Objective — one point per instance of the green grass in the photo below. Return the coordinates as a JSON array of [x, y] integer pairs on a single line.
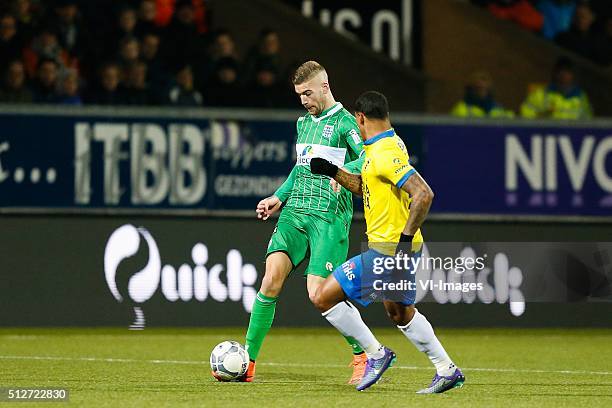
[[308, 367]]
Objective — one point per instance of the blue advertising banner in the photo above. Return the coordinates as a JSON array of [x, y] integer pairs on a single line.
[[92, 162], [173, 160], [520, 170]]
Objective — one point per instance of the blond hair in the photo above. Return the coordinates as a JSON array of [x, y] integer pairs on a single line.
[[307, 71]]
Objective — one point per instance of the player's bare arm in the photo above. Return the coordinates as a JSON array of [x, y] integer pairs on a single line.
[[422, 197], [352, 182]]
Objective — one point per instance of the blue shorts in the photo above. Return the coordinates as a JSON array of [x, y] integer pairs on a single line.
[[363, 279]]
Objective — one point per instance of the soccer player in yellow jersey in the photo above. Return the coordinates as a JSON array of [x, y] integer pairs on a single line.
[[396, 201]]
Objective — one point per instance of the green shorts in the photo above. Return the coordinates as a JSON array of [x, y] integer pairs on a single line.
[[296, 233]]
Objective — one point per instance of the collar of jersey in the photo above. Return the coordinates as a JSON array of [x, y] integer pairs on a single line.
[[386, 133], [327, 113]]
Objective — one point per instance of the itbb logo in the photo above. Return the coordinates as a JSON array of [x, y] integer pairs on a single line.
[[186, 283]]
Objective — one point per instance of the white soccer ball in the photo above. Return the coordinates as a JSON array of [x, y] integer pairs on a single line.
[[229, 360]]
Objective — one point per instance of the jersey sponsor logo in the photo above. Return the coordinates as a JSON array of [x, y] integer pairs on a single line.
[[329, 266], [355, 136], [305, 152], [328, 131], [305, 156], [401, 169], [397, 160], [348, 268], [401, 145]]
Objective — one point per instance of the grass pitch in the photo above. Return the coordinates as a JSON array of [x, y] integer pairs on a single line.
[[308, 367]]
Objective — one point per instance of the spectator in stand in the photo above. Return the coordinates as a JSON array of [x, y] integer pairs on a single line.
[[109, 90], [46, 46], [125, 28], [479, 101], [166, 9], [10, 43], [71, 31], [223, 46], [580, 38], [521, 12], [27, 19], [129, 52], [182, 40], [164, 12], [561, 99], [69, 90], [184, 93], [224, 90], [558, 16], [157, 77], [146, 18], [266, 89], [200, 15], [127, 21], [137, 90], [45, 85], [265, 53], [14, 89]]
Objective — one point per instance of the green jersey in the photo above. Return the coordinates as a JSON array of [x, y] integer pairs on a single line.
[[332, 135]]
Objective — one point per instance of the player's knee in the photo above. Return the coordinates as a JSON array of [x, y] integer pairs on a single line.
[[272, 284], [399, 314], [312, 296], [312, 291], [320, 301], [394, 315]]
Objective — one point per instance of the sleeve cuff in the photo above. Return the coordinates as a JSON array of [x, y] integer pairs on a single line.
[[405, 177]]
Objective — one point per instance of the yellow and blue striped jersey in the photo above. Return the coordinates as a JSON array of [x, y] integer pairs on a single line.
[[385, 170]]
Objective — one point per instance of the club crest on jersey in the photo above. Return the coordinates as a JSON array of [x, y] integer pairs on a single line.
[[355, 136], [328, 131]]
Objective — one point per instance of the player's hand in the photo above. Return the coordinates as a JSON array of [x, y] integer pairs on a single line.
[[267, 207], [404, 247], [323, 167]]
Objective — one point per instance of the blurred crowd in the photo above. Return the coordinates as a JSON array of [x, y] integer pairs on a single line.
[[560, 98], [133, 52], [581, 26], [162, 52]]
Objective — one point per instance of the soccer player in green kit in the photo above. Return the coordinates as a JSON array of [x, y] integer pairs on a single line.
[[317, 212]]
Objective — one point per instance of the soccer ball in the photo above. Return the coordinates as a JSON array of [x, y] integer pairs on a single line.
[[229, 360]]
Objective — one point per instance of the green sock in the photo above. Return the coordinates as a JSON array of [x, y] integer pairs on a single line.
[[262, 316], [354, 345]]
